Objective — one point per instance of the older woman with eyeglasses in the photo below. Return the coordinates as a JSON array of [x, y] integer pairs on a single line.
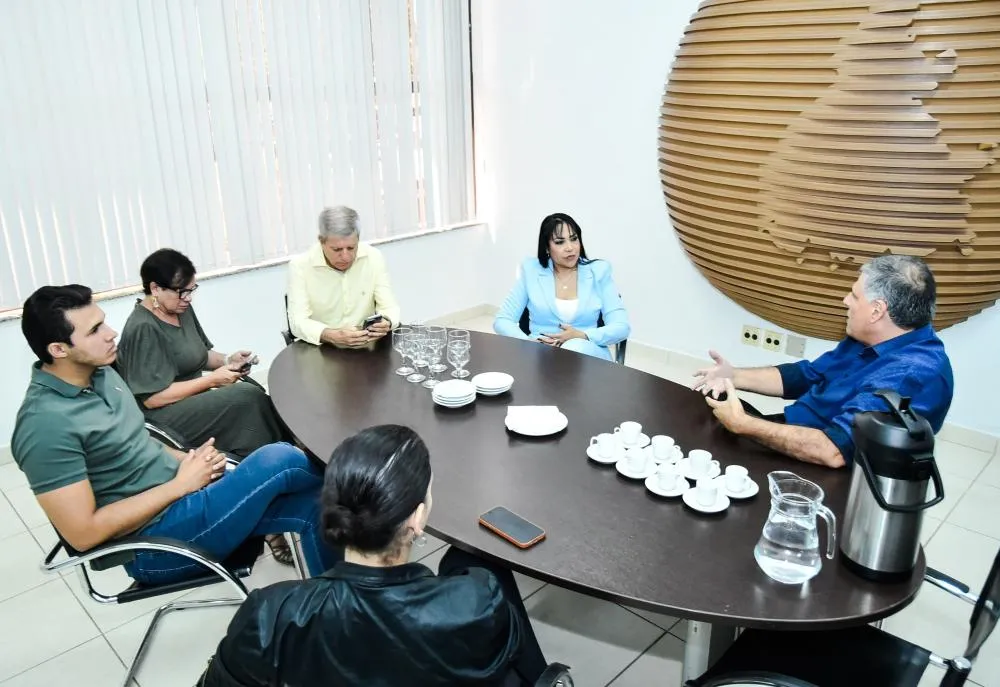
[[163, 353]]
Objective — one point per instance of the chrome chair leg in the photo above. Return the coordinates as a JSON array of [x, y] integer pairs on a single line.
[[162, 611], [298, 558]]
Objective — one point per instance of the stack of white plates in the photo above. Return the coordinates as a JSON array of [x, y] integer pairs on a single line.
[[454, 393], [493, 383]]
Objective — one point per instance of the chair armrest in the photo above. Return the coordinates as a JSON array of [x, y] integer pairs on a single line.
[[251, 380], [165, 436], [950, 585], [127, 545], [555, 675]]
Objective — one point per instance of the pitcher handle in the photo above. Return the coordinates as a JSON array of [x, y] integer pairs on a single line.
[[831, 529]]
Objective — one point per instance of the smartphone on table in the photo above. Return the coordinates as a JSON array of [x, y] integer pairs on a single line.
[[369, 321], [512, 527]]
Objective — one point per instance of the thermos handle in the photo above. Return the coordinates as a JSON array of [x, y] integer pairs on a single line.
[[900, 407], [862, 460]]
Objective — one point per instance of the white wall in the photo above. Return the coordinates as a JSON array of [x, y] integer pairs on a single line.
[[432, 275], [567, 109]]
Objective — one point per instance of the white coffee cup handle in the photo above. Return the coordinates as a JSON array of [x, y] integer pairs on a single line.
[[712, 463], [617, 429], [593, 440]]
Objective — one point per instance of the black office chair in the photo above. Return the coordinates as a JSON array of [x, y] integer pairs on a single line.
[[286, 334], [855, 656], [619, 352], [119, 551]]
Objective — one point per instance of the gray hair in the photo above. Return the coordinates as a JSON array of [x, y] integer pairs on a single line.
[[907, 286], [340, 221]]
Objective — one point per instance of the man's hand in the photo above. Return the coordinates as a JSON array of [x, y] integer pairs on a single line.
[[200, 467], [224, 376], [712, 380], [379, 329], [349, 338], [559, 338], [730, 412]]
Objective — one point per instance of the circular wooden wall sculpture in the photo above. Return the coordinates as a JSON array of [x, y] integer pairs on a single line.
[[800, 138]]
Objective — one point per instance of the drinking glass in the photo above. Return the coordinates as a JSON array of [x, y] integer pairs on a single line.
[[458, 355], [432, 351], [399, 345], [458, 335], [439, 334], [416, 348]]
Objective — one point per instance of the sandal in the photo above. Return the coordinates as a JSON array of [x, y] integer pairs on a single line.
[[280, 549]]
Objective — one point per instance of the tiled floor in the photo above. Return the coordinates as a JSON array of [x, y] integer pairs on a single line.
[[49, 631]]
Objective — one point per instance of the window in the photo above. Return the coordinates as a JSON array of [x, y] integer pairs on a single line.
[[221, 128]]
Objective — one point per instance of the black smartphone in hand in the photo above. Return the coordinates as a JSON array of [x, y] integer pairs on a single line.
[[369, 321]]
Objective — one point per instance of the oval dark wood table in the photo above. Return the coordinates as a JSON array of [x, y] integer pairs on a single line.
[[607, 536]]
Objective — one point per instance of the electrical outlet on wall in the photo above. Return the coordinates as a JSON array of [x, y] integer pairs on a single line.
[[796, 346], [751, 335], [772, 341]]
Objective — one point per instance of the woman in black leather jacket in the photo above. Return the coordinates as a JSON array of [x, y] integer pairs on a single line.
[[375, 619]]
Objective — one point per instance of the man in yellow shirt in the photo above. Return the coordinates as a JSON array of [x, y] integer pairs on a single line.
[[338, 283]]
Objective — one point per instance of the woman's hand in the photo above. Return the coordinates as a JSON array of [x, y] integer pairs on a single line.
[[241, 358], [558, 339], [224, 376]]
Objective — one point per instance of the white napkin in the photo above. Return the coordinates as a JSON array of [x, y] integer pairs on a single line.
[[532, 415]]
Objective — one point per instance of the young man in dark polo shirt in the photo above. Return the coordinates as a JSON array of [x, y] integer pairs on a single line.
[[81, 441], [890, 344]]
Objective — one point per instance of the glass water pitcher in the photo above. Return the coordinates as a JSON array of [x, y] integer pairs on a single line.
[[788, 549]]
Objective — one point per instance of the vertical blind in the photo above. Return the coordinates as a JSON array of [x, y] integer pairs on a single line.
[[221, 128]]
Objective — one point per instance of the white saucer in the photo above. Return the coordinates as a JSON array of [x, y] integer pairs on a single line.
[[622, 467], [535, 430], [454, 404], [675, 456], [642, 443], [751, 489], [680, 488], [595, 456], [691, 499], [490, 383], [684, 466]]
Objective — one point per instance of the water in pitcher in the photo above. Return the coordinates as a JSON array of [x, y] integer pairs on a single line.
[[788, 549]]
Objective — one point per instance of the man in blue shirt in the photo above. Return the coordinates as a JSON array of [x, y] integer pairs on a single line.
[[890, 344]]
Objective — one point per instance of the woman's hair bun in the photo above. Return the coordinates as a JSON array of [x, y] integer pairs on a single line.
[[339, 523]]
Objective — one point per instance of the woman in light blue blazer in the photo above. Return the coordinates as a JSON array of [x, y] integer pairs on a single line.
[[565, 293]]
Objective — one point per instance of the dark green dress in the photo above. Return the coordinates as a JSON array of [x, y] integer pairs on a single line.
[[153, 354]]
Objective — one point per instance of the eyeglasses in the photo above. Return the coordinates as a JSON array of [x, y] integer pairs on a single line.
[[184, 294]]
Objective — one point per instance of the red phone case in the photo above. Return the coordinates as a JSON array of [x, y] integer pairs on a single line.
[[500, 533]]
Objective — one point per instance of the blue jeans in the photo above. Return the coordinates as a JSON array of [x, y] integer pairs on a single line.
[[275, 489]]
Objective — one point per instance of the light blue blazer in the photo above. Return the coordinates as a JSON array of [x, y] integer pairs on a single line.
[[596, 293]]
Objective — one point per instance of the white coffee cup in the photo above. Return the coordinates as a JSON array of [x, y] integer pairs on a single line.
[[707, 491], [635, 459], [737, 479], [701, 462], [666, 477], [663, 447], [630, 432], [605, 444]]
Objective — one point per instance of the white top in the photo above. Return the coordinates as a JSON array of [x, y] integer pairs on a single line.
[[566, 309]]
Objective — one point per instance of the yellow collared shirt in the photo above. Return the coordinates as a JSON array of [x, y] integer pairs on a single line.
[[320, 297]]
